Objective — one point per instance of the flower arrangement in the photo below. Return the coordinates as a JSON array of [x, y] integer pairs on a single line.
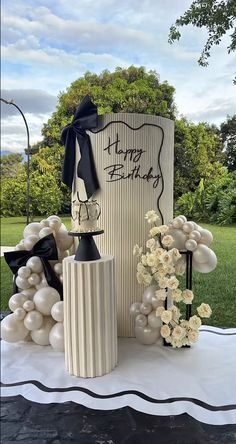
[[160, 265]]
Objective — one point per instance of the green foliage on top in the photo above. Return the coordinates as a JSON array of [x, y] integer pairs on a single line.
[[10, 165]]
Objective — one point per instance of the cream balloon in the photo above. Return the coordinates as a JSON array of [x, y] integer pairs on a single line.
[[208, 266], [24, 272], [35, 264], [34, 279], [22, 283], [17, 300], [135, 309], [30, 241], [153, 320], [33, 320], [41, 335], [195, 235], [19, 314], [145, 308], [206, 237], [141, 320], [57, 311], [58, 268], [56, 337], [45, 298], [62, 254], [147, 335], [201, 254], [54, 224], [188, 227], [63, 240], [45, 232], [61, 278], [13, 330], [149, 292], [177, 222], [184, 218], [28, 305], [191, 245], [54, 216], [19, 247], [32, 228], [30, 292], [44, 223], [179, 239]]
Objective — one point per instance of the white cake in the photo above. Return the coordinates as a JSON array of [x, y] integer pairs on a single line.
[[85, 216]]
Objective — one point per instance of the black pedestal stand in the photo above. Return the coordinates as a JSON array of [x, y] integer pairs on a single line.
[[87, 249]]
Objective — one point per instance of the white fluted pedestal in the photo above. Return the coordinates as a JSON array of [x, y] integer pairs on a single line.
[[90, 324]]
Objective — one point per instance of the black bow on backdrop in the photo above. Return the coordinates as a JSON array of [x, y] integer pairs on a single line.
[[85, 118], [46, 250]]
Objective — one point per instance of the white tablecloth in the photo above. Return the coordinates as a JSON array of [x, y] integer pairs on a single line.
[[157, 380]]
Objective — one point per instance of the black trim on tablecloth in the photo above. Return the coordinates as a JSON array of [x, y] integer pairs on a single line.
[[218, 332], [43, 388]]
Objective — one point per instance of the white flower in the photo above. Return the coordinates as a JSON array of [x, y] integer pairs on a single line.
[[151, 216], [195, 322], [137, 251], [187, 296], [154, 231], [141, 268], [172, 283], [161, 271], [151, 260], [178, 332], [158, 252], [162, 282], [166, 316], [165, 331], [161, 295], [144, 278], [193, 336], [167, 240], [168, 339], [169, 269], [176, 295], [163, 229], [180, 267], [176, 343], [144, 259], [165, 258], [151, 243], [159, 311], [175, 313], [175, 254], [204, 310]]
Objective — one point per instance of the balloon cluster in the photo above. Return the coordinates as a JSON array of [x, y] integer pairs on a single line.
[[188, 235], [147, 324], [37, 309]]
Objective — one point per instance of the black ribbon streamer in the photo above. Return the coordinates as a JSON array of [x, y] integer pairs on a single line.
[[85, 118], [46, 250]]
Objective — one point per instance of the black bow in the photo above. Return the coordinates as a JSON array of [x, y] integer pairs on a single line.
[[85, 118], [46, 250]]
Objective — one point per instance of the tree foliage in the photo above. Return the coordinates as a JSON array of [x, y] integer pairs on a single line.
[[228, 134], [216, 16], [10, 165]]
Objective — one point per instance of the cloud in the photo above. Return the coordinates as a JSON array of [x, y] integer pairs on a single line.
[[29, 100]]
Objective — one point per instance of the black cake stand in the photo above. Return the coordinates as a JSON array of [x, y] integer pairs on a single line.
[[87, 249]]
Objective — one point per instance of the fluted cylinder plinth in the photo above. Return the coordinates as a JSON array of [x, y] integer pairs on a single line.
[[90, 323]]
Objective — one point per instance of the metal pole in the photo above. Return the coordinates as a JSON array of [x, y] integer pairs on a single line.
[[28, 158]]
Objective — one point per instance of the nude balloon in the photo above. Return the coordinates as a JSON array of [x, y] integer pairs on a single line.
[[54, 216], [41, 335], [208, 266], [30, 241], [13, 330], [63, 240], [57, 311], [179, 239], [35, 264], [153, 320], [32, 228], [191, 245], [206, 237], [33, 320], [201, 254], [30, 292], [56, 337], [19, 314], [16, 301], [58, 268], [24, 272], [135, 309], [147, 335], [34, 279], [45, 298], [22, 283], [45, 232]]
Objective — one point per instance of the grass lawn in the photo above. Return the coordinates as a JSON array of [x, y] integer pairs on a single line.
[[217, 288]]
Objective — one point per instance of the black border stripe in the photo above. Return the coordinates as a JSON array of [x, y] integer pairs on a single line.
[[43, 388], [159, 154], [217, 332]]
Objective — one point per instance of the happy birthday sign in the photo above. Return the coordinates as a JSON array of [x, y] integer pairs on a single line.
[[133, 154]]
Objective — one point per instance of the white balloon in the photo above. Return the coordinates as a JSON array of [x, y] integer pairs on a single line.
[[135, 309], [30, 292], [63, 240], [62, 254], [201, 254], [45, 298], [24, 272], [145, 308], [191, 245], [19, 314], [149, 292], [41, 335], [188, 227], [153, 320], [206, 237], [22, 283], [179, 239], [58, 268], [19, 247], [13, 330], [32, 228], [57, 311], [184, 219], [208, 266], [33, 320], [56, 337], [177, 222], [34, 279], [61, 278], [54, 217], [35, 264], [195, 235], [16, 300], [30, 241], [55, 224], [44, 223], [28, 305], [141, 320], [147, 335], [43, 282], [45, 232]]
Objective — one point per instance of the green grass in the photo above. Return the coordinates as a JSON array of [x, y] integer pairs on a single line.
[[217, 288]]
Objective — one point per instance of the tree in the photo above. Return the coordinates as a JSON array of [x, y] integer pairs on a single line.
[[10, 165], [228, 134], [217, 16]]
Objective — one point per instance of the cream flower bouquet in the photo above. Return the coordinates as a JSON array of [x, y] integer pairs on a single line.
[[160, 265]]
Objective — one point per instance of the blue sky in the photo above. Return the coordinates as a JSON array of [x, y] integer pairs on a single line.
[[46, 45]]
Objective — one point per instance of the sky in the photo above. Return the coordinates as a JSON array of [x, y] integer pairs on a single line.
[[48, 44]]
